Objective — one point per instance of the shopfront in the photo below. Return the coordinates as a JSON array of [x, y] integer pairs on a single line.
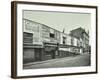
[[32, 53], [50, 51]]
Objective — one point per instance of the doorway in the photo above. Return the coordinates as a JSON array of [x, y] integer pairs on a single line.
[[38, 54]]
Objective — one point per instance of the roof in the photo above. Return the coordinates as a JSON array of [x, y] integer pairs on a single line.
[[81, 30]]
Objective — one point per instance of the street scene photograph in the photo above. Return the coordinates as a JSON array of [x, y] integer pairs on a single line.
[[54, 39]]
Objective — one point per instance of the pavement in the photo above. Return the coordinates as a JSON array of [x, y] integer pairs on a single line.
[[72, 61]]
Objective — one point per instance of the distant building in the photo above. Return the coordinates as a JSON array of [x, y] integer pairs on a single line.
[[69, 43], [83, 36]]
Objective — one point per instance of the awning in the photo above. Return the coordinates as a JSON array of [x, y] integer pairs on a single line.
[[48, 48], [32, 46]]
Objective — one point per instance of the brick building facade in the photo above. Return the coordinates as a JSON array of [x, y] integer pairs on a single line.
[[83, 36]]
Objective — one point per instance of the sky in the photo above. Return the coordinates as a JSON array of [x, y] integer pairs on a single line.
[[60, 20]]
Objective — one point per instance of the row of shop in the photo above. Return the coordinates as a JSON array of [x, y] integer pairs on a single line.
[[48, 51]]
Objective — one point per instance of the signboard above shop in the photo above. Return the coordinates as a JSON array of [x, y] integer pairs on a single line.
[[31, 26]]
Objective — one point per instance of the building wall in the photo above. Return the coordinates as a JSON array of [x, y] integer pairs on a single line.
[[82, 36], [72, 44], [49, 35], [31, 36], [68, 40], [45, 33], [77, 33], [75, 42], [50, 40], [29, 55], [34, 28], [41, 33]]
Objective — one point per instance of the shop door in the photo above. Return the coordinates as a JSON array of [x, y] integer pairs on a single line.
[[38, 54], [53, 54]]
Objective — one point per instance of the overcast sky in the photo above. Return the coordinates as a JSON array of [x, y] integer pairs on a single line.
[[60, 20]]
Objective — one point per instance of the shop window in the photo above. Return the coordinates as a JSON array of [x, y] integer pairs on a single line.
[[77, 43], [80, 44], [27, 37], [52, 35], [64, 39]]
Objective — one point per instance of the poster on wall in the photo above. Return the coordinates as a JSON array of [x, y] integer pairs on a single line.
[[51, 39]]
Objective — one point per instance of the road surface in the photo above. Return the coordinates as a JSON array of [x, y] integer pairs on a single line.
[[74, 61]]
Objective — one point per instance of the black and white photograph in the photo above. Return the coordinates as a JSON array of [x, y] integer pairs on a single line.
[[56, 39], [53, 39]]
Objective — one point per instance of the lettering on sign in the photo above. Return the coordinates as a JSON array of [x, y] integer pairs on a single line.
[[31, 26]]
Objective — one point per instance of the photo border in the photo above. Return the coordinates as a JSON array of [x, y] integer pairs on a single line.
[[14, 37]]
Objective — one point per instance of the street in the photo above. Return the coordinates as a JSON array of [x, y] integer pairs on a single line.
[[73, 61]]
